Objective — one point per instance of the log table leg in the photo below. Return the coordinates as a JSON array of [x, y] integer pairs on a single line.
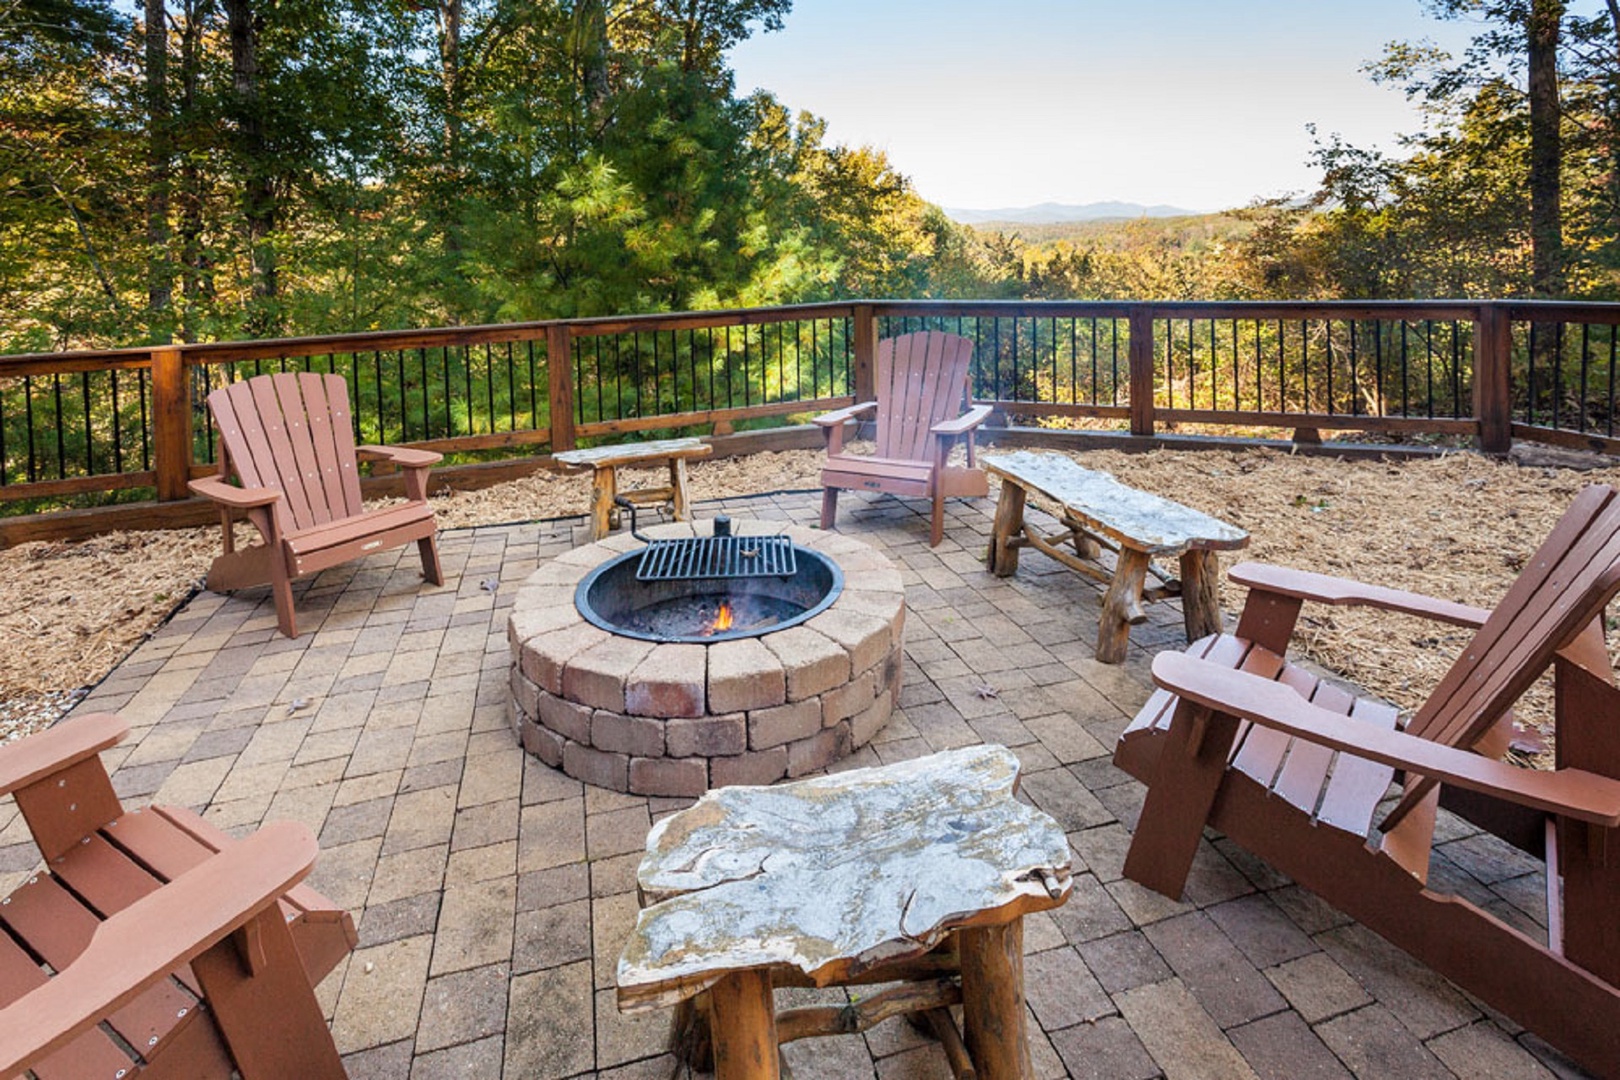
[[1002, 557], [1122, 605], [677, 487], [743, 1027], [604, 485], [993, 1000], [1200, 593]]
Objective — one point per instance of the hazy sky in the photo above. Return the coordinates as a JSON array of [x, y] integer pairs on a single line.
[[1200, 104]]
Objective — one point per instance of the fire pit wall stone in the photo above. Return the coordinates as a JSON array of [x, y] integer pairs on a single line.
[[676, 719]]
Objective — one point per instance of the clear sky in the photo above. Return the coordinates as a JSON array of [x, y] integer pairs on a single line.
[[1201, 104]]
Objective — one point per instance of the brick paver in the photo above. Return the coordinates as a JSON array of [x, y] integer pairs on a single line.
[[492, 893]]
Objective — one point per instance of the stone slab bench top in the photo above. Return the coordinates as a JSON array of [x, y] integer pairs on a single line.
[[838, 874], [629, 453], [1137, 519]]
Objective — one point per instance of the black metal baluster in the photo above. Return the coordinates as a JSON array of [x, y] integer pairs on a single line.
[[1586, 359], [28, 421], [1237, 365], [89, 430], [1170, 363], [1558, 374], [1378, 366], [1282, 371], [1609, 423], [1456, 371]]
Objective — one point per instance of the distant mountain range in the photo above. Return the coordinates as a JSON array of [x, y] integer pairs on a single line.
[[1055, 213]]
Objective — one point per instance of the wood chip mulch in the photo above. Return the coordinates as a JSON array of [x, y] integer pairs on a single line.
[[1458, 527]]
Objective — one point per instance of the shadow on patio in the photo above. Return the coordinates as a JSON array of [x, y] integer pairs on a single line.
[[492, 894]]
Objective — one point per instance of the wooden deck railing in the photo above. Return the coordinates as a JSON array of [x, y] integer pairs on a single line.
[[82, 423]]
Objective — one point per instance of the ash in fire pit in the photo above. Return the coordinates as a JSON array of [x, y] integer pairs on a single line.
[[702, 618]]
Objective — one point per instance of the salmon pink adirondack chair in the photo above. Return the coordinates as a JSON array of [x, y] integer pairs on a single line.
[[286, 439], [1294, 769], [151, 943], [922, 408]]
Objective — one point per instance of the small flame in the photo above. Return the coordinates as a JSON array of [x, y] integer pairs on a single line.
[[722, 618]]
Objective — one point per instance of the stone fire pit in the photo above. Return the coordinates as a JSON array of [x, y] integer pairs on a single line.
[[662, 718]]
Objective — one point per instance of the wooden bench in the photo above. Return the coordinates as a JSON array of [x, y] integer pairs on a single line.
[[1096, 511], [604, 483], [918, 873]]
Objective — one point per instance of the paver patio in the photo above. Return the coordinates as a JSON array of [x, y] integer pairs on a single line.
[[492, 893]]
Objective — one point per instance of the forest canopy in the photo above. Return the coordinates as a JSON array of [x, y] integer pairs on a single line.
[[213, 169]]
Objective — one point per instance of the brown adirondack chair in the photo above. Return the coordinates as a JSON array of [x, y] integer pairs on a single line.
[[1293, 769], [197, 953], [286, 439], [922, 409]]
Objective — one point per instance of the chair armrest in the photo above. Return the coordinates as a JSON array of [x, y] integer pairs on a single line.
[[29, 760], [1344, 592], [1573, 793], [964, 423], [140, 945], [839, 416], [404, 456], [218, 490]]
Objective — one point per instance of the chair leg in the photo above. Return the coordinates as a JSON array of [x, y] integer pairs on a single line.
[[829, 506], [936, 528], [264, 1004], [428, 547], [281, 592], [1191, 766]]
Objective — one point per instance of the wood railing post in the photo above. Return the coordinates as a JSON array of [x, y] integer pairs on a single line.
[[171, 424], [1493, 380], [865, 330], [1141, 365], [560, 372]]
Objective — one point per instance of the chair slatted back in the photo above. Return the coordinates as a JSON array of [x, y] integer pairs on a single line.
[[922, 380], [1564, 586], [291, 432]]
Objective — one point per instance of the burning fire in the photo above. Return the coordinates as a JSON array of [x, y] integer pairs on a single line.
[[722, 618]]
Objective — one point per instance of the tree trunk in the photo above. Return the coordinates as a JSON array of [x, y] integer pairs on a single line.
[[258, 192], [1612, 119], [160, 148], [450, 13], [1546, 220], [196, 274]]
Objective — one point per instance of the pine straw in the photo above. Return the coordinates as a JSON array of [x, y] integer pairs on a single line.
[[1458, 527]]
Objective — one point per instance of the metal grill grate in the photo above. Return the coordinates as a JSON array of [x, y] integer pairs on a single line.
[[717, 557]]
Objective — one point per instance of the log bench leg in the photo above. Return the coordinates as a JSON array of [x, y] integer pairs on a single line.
[[993, 1000], [744, 1027], [1200, 593], [1122, 605], [1001, 559], [604, 485], [677, 486]]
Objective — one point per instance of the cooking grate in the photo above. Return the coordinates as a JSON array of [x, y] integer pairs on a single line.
[[717, 557]]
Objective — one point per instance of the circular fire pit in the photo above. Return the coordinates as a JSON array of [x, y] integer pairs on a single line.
[[805, 675]]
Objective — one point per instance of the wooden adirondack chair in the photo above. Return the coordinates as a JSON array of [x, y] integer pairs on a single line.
[[199, 953], [1293, 769], [922, 409], [286, 439]]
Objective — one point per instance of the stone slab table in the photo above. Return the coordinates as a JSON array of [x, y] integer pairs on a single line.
[[918, 873]]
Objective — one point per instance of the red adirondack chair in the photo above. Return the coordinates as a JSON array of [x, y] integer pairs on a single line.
[[287, 441], [199, 953], [1293, 769], [922, 408]]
